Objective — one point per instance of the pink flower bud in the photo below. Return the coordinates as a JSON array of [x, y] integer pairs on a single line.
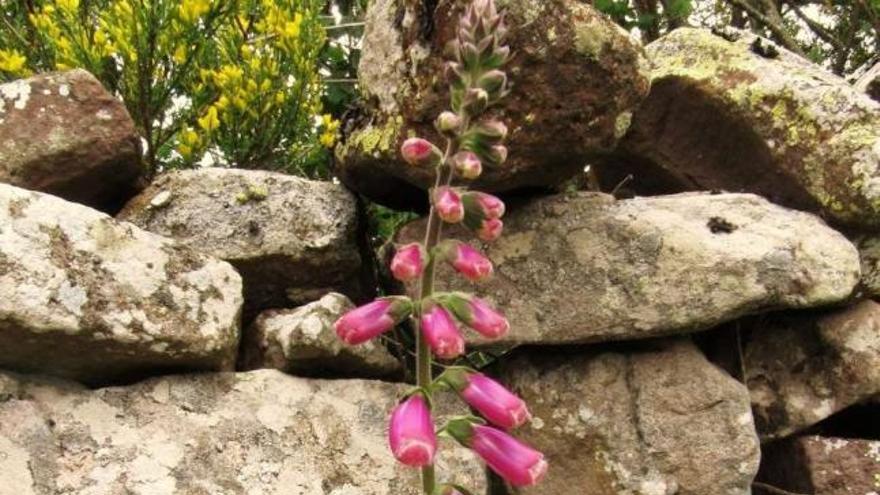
[[420, 152], [370, 320], [411, 433], [494, 402], [448, 123], [441, 333], [409, 262], [490, 229], [468, 261], [516, 462], [490, 206], [480, 316], [467, 164], [448, 204], [498, 154]]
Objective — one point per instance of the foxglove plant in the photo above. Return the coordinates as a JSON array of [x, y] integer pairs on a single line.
[[473, 142]]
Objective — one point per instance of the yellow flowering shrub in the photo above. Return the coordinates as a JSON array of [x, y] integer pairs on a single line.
[[235, 81]]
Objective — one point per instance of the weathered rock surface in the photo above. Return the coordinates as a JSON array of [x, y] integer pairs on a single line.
[[869, 251], [657, 419], [748, 116], [292, 239], [869, 82], [90, 298], [302, 341], [576, 77], [64, 134], [822, 465], [257, 433], [802, 369], [586, 268]]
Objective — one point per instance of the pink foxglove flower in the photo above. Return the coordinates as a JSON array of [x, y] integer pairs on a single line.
[[441, 333], [467, 164], [494, 402], [469, 262], [516, 462], [448, 204], [409, 262], [484, 205], [370, 320], [411, 433], [490, 229], [480, 316], [420, 152]]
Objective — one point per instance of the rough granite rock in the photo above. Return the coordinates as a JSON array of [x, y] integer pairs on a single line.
[[575, 76], [292, 239], [302, 341], [257, 433], [656, 419], [802, 369], [869, 82], [746, 115], [64, 134], [822, 465], [869, 251], [90, 298], [587, 268]]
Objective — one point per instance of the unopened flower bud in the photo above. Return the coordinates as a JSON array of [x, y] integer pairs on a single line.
[[475, 100], [490, 132], [497, 154], [448, 124], [420, 152], [467, 164], [411, 433], [466, 260], [409, 261], [476, 313], [370, 320], [448, 204], [441, 333], [493, 81], [482, 204], [490, 229]]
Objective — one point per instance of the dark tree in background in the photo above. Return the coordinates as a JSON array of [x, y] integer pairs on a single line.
[[841, 35]]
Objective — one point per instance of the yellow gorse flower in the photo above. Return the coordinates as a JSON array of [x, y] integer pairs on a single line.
[[13, 62]]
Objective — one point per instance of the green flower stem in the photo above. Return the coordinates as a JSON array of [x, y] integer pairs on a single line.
[[424, 376]]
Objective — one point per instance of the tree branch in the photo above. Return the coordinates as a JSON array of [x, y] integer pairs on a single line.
[[776, 28], [814, 26]]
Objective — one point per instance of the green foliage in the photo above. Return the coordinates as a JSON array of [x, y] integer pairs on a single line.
[[233, 82], [384, 222]]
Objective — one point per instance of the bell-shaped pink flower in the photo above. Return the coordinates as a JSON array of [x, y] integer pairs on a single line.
[[480, 316], [467, 164], [411, 433], [516, 462], [409, 262], [494, 402], [370, 320], [441, 333], [420, 152], [448, 204], [490, 229], [469, 262]]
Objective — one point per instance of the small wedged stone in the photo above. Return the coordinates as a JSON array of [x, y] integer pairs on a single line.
[[302, 341], [869, 252], [86, 297], [586, 268], [575, 79], [801, 369], [291, 239], [654, 419], [738, 113], [822, 465], [256, 433], [64, 134]]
